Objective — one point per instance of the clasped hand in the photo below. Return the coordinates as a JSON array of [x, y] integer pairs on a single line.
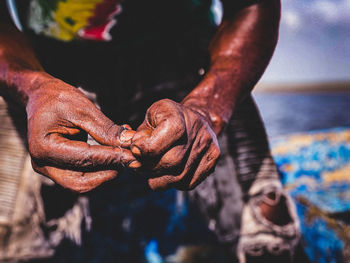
[[175, 145], [59, 119]]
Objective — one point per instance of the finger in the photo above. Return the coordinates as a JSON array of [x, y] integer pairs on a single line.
[[125, 138], [181, 181], [154, 141], [206, 166], [76, 181], [165, 182], [161, 183], [58, 151], [173, 161], [142, 132], [102, 129]]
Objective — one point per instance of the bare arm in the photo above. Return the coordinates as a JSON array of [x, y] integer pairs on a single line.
[[19, 67], [178, 140], [59, 119], [239, 52]]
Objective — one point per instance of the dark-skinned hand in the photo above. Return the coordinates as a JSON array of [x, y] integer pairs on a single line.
[[176, 146], [59, 119]]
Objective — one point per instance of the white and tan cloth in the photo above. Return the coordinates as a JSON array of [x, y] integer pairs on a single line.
[[26, 232]]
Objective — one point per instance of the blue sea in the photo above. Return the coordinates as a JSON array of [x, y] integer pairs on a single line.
[[322, 205], [285, 113]]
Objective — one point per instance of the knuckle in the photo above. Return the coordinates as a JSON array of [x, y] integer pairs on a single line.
[[159, 103], [165, 101], [113, 129], [162, 106]]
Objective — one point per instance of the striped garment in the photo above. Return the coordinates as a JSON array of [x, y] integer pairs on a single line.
[[70, 19]]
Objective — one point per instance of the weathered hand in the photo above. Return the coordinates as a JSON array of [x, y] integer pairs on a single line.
[[177, 144], [59, 119]]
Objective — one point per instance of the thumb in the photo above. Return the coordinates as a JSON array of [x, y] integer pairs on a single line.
[[105, 131], [126, 135]]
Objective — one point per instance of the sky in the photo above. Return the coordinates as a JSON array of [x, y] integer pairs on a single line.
[[314, 43]]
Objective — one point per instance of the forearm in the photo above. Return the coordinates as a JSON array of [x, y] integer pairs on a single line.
[[239, 52], [20, 70]]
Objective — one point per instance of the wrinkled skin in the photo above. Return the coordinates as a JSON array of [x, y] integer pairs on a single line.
[[177, 144], [59, 119]]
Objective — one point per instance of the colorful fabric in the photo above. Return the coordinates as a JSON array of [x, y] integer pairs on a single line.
[[68, 20], [74, 19], [316, 172]]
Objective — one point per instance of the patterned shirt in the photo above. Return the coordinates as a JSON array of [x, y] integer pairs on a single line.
[[69, 20]]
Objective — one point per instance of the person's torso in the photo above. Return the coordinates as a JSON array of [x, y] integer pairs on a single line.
[[112, 20], [127, 52]]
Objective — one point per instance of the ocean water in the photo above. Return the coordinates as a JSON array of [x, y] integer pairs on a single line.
[[285, 113]]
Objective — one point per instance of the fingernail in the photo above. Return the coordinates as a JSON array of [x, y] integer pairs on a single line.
[[126, 135], [135, 164], [136, 151]]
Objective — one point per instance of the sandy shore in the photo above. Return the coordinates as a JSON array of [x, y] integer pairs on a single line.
[[303, 87]]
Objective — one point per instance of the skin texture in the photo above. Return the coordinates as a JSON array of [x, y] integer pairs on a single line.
[[177, 144], [59, 119], [177, 141], [176, 138]]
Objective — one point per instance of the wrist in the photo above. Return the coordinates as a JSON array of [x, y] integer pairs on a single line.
[[22, 85], [215, 121], [213, 98]]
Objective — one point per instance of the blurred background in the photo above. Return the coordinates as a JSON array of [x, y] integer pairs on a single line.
[[314, 43], [308, 80], [304, 100], [307, 83]]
